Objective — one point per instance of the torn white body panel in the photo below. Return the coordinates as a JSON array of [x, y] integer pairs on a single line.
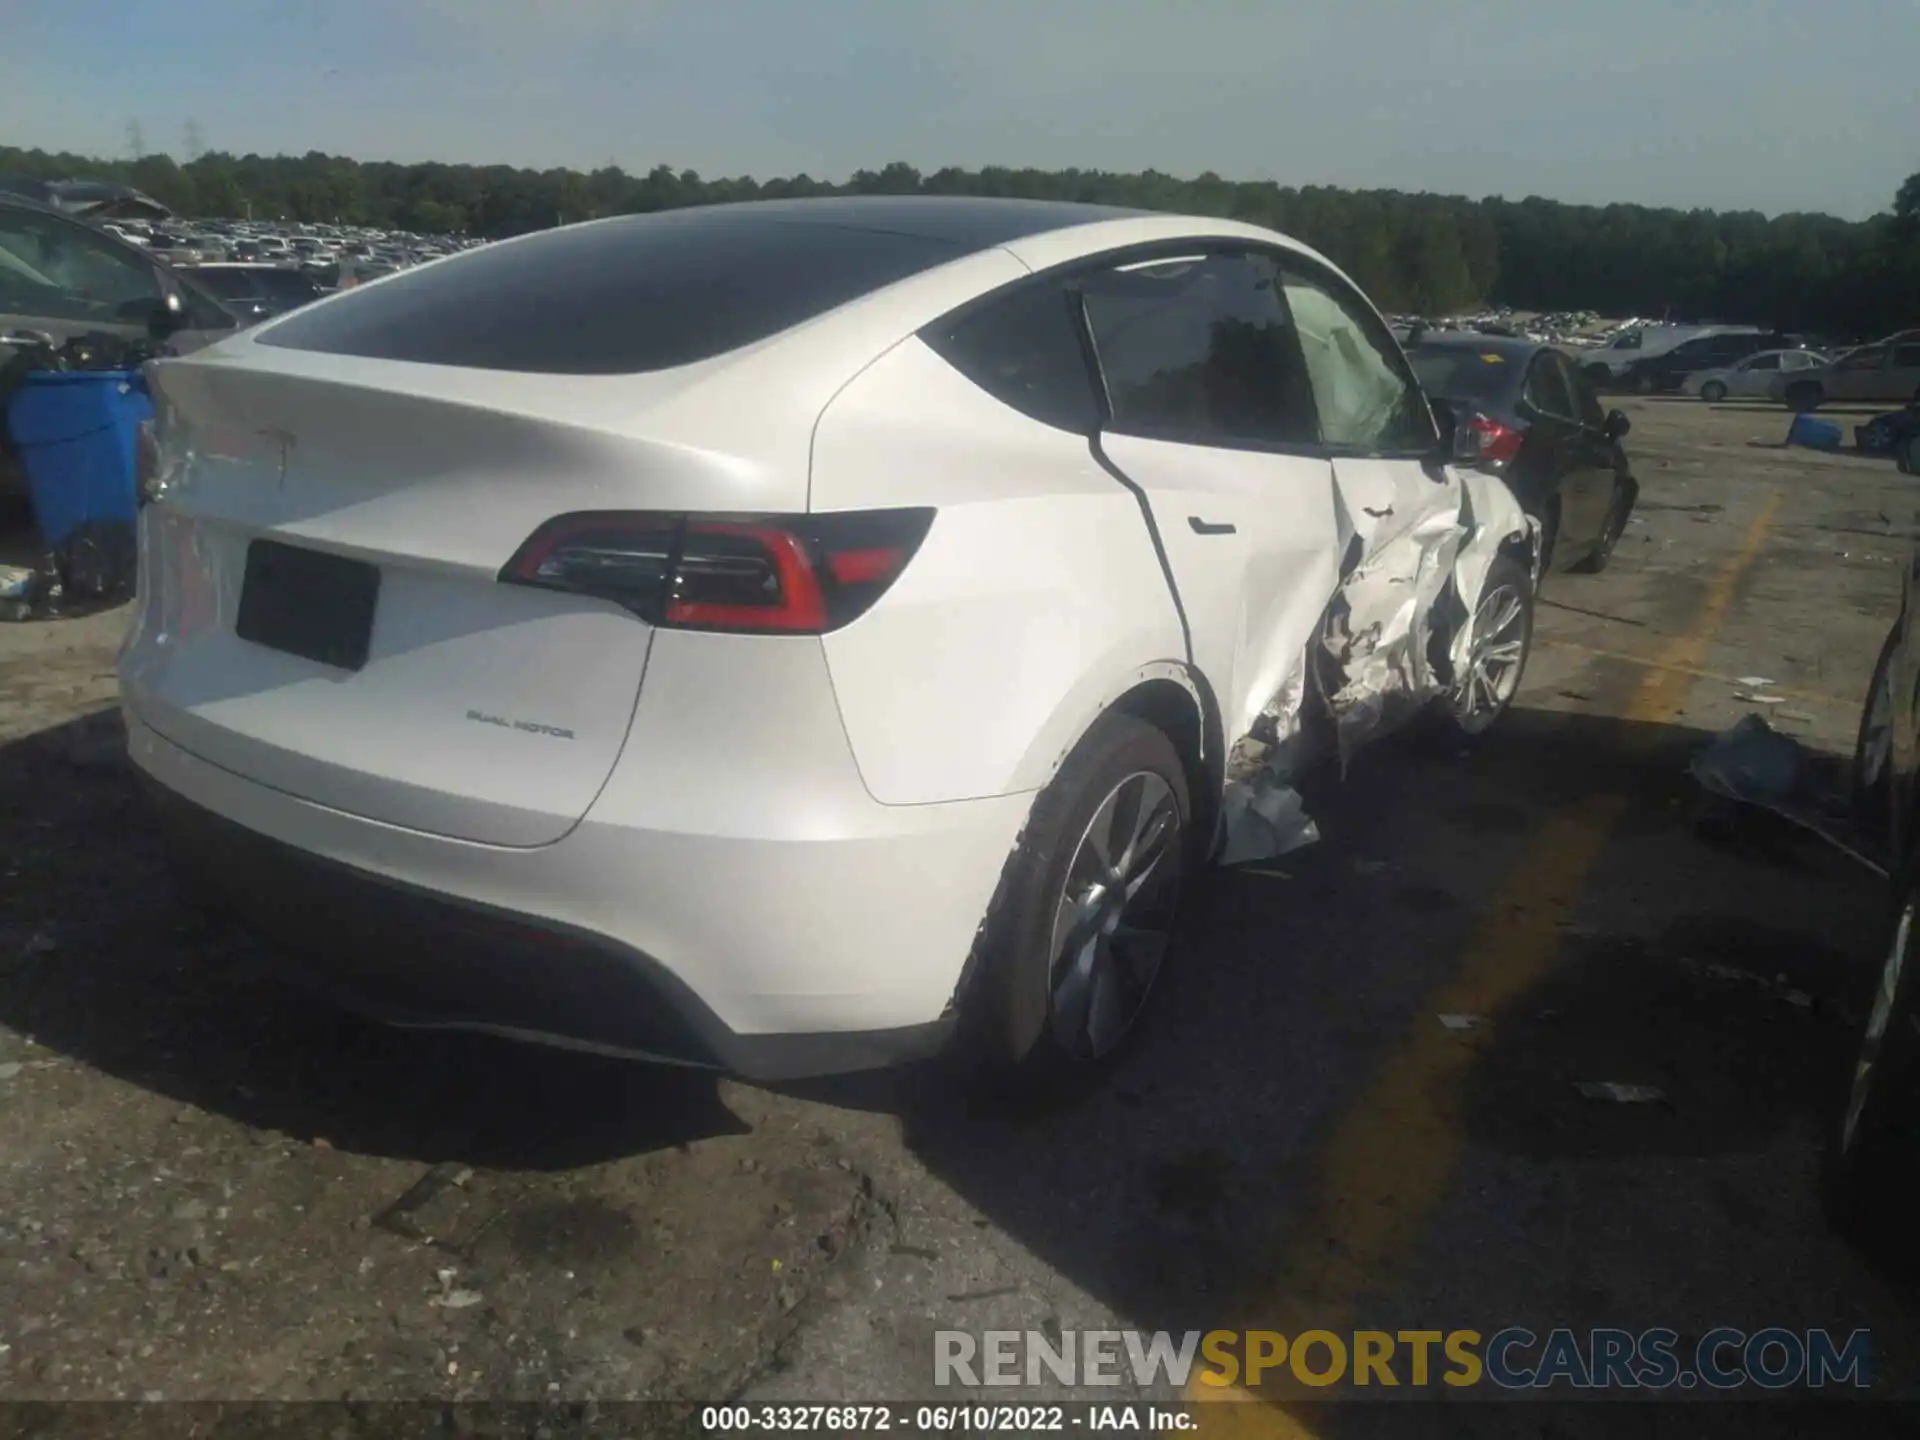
[[1416, 551]]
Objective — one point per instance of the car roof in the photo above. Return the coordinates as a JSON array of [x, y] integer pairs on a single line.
[[971, 221], [1513, 347]]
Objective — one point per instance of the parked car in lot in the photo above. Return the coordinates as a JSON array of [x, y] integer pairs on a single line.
[[1888, 370], [1872, 1166], [1752, 377], [258, 291], [778, 636], [61, 277], [1525, 412]]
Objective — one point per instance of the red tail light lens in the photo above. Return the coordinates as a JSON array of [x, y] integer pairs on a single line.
[[768, 575], [1492, 443]]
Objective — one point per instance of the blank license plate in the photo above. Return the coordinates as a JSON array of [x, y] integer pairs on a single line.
[[316, 606]]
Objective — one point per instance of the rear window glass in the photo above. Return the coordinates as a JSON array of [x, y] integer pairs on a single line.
[[1460, 373], [1023, 348], [615, 297], [227, 284], [286, 284]]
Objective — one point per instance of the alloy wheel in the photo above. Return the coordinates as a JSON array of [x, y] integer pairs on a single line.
[[1492, 671], [1114, 916], [1874, 1040]]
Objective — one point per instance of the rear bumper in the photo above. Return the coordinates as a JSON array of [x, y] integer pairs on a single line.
[[773, 959], [399, 954]]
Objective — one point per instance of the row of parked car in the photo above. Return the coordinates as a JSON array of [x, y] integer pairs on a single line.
[[1772, 365]]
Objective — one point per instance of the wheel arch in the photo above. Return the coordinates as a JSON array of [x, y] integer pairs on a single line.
[[1167, 694]]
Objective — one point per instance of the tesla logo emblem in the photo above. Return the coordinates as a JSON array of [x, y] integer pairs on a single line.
[[284, 439]]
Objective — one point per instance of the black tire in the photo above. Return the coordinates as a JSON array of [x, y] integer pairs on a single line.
[[1713, 392], [1872, 762], [1910, 455], [1601, 555], [1872, 1163], [1017, 1036], [1804, 397], [1463, 709]]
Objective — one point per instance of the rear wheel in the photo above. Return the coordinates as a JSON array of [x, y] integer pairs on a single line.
[[1502, 637], [1713, 392], [1602, 552], [1803, 397], [1078, 931], [1910, 455], [1872, 1169]]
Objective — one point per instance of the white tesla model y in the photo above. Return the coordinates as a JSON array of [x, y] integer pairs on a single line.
[[776, 636]]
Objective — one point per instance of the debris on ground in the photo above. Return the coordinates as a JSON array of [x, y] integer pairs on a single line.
[[27, 593], [1619, 1094], [1263, 824], [1776, 987], [1462, 1022], [1754, 764]]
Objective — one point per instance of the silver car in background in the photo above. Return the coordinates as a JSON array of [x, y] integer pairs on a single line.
[[1753, 377], [1887, 370]]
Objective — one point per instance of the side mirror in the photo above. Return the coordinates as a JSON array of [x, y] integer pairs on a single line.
[[1617, 425]]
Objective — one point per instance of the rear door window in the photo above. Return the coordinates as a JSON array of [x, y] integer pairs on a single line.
[[1199, 348], [615, 297]]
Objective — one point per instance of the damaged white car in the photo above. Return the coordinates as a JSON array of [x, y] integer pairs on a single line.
[[779, 636]]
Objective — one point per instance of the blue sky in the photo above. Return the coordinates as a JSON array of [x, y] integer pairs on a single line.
[[1771, 105]]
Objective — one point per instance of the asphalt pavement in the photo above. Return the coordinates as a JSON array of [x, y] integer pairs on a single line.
[[210, 1189]]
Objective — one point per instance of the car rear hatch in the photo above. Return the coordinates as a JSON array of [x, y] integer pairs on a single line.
[[321, 610]]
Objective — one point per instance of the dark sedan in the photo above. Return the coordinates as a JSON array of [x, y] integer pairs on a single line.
[[1872, 1171], [1523, 411]]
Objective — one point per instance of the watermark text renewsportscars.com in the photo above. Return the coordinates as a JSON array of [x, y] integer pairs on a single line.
[[1514, 1358]]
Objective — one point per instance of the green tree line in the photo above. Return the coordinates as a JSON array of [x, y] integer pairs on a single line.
[[1425, 253]]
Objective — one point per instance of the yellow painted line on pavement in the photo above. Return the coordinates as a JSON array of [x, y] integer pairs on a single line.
[[1391, 1161], [1812, 697]]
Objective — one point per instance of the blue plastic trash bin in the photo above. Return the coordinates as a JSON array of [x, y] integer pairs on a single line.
[[1814, 434], [76, 433]]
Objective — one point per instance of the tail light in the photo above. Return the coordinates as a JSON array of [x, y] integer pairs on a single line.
[[1487, 442], [761, 575]]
